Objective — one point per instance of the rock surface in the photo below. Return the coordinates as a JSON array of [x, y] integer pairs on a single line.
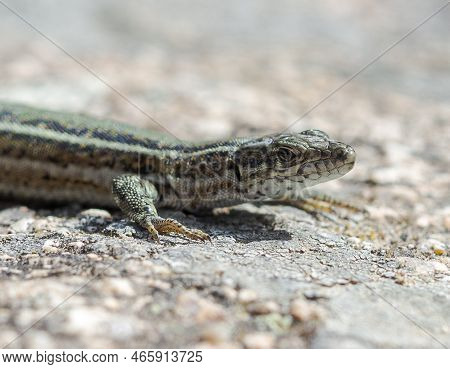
[[273, 276]]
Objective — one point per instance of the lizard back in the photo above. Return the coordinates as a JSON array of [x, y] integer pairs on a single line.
[[61, 157]]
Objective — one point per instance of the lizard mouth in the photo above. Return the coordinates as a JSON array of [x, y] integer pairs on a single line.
[[340, 163]]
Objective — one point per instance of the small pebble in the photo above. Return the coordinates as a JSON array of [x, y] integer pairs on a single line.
[[203, 345], [439, 249], [263, 307], [111, 303], [228, 293], [119, 287], [37, 339], [158, 284], [39, 273], [258, 340], [141, 302], [22, 225], [326, 282], [447, 222], [15, 271], [96, 213], [246, 296], [5, 257], [161, 270], [305, 311], [190, 305], [30, 256], [51, 247], [400, 278], [47, 224], [94, 257], [342, 281], [354, 240], [216, 333], [367, 245], [383, 213], [76, 245], [439, 267], [85, 320], [423, 221], [209, 311], [389, 275], [433, 246]]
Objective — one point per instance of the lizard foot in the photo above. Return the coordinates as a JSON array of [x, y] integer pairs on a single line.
[[167, 226], [328, 203], [320, 204], [136, 196]]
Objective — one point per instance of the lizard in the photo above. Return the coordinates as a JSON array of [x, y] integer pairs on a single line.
[[57, 157]]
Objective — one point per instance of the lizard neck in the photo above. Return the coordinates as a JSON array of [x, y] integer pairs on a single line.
[[198, 176]]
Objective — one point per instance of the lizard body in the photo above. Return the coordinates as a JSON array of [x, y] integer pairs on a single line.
[[62, 157]]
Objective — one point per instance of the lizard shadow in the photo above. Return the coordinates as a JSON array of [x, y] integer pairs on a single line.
[[244, 226]]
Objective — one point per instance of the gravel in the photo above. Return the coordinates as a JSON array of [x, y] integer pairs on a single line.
[[273, 276]]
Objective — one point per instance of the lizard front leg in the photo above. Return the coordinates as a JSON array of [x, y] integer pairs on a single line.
[[136, 197]]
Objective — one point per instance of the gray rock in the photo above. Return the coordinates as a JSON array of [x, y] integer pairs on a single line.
[[231, 69]]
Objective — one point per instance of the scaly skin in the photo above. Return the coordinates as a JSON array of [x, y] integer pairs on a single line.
[[61, 158]]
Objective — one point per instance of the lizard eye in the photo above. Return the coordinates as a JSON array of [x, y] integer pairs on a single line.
[[285, 155]]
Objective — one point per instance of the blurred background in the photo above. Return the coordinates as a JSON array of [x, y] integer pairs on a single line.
[[214, 69], [208, 69], [219, 68]]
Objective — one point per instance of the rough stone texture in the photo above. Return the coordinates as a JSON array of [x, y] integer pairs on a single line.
[[273, 276]]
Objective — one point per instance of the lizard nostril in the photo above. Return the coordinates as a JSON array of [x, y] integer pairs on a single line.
[[345, 154], [350, 155]]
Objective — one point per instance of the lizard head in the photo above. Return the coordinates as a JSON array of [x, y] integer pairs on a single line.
[[274, 166]]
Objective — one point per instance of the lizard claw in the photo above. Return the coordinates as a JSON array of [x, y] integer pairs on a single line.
[[166, 226], [153, 233]]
